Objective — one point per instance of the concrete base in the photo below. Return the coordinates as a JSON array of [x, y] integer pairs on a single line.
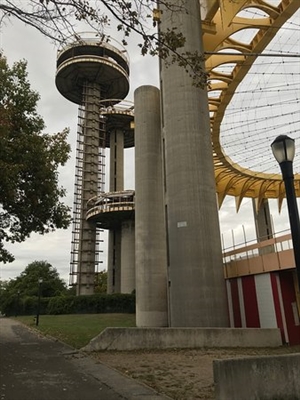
[[166, 338], [267, 378]]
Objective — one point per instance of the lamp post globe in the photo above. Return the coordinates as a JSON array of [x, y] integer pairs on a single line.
[[283, 149]]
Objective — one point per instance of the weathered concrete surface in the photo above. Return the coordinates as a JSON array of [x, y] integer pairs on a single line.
[[33, 367], [258, 378], [150, 231], [195, 268], [164, 338], [128, 257]]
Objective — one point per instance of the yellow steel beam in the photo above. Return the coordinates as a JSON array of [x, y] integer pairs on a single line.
[[231, 178]]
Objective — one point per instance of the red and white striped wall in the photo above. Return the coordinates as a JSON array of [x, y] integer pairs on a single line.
[[265, 300]]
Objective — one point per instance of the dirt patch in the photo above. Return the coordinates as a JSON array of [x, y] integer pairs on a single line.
[[179, 373]]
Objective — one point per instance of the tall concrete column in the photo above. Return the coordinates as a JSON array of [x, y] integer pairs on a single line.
[[150, 239], [116, 183], [86, 259], [128, 257], [197, 285], [114, 262], [116, 177], [263, 225]]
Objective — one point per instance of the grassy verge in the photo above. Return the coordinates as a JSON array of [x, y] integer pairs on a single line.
[[78, 329]]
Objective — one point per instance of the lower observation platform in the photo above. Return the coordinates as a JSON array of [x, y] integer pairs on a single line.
[[109, 210]]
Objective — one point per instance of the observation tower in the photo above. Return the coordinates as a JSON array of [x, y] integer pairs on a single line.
[[115, 210], [94, 74]]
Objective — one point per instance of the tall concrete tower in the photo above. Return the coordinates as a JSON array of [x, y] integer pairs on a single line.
[[196, 282], [90, 72], [114, 210]]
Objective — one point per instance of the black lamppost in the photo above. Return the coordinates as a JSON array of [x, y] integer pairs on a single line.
[[37, 320], [283, 149]]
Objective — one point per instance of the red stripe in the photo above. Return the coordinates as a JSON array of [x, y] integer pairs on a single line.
[[250, 302], [289, 297], [235, 303]]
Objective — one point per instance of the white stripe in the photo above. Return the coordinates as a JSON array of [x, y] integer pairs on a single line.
[[265, 301]]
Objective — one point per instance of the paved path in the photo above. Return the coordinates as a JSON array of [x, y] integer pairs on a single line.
[[33, 367]]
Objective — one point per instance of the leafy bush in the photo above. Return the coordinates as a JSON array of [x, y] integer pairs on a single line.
[[60, 305], [94, 304], [105, 303]]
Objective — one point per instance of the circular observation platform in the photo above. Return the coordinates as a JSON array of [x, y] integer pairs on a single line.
[[95, 61], [109, 210], [119, 117]]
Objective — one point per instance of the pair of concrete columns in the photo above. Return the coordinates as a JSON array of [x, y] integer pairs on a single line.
[[179, 270]]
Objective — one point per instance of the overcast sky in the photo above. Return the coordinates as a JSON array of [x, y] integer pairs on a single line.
[[21, 42]]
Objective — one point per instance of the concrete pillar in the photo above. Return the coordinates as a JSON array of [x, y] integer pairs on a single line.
[[208, 8], [128, 257], [110, 265], [116, 183], [263, 225], [197, 285], [150, 240], [114, 262], [116, 177], [87, 232]]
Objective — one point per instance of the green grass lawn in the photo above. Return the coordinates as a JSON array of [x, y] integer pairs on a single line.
[[78, 329]]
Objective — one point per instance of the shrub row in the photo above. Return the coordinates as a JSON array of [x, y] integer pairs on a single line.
[[94, 304]]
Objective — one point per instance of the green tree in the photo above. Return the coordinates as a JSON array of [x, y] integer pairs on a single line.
[[52, 285], [57, 19], [27, 285], [101, 282], [30, 196]]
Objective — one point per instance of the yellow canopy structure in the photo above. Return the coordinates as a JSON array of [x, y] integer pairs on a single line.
[[220, 48]]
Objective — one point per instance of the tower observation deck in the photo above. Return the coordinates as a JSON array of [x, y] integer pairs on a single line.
[[90, 72]]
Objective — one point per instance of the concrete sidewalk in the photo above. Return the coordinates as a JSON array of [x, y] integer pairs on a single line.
[[33, 367]]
